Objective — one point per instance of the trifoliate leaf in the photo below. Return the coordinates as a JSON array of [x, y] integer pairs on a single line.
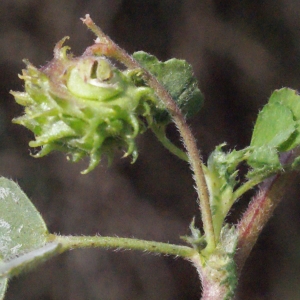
[[274, 126], [177, 77], [23, 233]]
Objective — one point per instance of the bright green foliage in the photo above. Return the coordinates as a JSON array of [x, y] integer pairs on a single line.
[[263, 161], [278, 123], [291, 100], [23, 233], [276, 131], [273, 127], [177, 77], [83, 106]]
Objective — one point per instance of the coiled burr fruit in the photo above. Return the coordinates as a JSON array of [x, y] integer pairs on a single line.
[[83, 106]]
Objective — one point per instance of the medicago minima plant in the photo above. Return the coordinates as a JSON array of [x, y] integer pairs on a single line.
[[87, 107]]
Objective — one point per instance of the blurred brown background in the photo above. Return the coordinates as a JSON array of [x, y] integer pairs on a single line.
[[241, 51]]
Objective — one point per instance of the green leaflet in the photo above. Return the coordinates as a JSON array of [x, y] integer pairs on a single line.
[[28, 260], [277, 124], [177, 77], [290, 99], [274, 125], [23, 233], [276, 130], [21, 226], [263, 160]]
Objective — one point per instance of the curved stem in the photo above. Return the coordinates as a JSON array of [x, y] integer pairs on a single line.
[[74, 242], [160, 134], [105, 46]]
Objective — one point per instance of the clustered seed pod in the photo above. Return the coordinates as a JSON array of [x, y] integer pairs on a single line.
[[83, 106]]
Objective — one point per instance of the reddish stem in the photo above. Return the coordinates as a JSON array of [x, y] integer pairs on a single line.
[[261, 208]]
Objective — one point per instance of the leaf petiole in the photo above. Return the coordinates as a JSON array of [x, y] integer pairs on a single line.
[[75, 242], [160, 134]]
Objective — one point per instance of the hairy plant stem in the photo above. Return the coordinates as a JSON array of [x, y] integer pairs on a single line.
[[212, 286], [261, 208], [105, 46], [74, 242]]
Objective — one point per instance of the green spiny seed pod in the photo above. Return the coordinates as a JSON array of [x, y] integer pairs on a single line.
[[83, 106]]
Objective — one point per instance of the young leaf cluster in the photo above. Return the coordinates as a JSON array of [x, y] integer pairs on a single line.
[[276, 131]]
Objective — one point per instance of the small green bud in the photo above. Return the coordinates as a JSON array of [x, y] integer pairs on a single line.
[[83, 106]]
